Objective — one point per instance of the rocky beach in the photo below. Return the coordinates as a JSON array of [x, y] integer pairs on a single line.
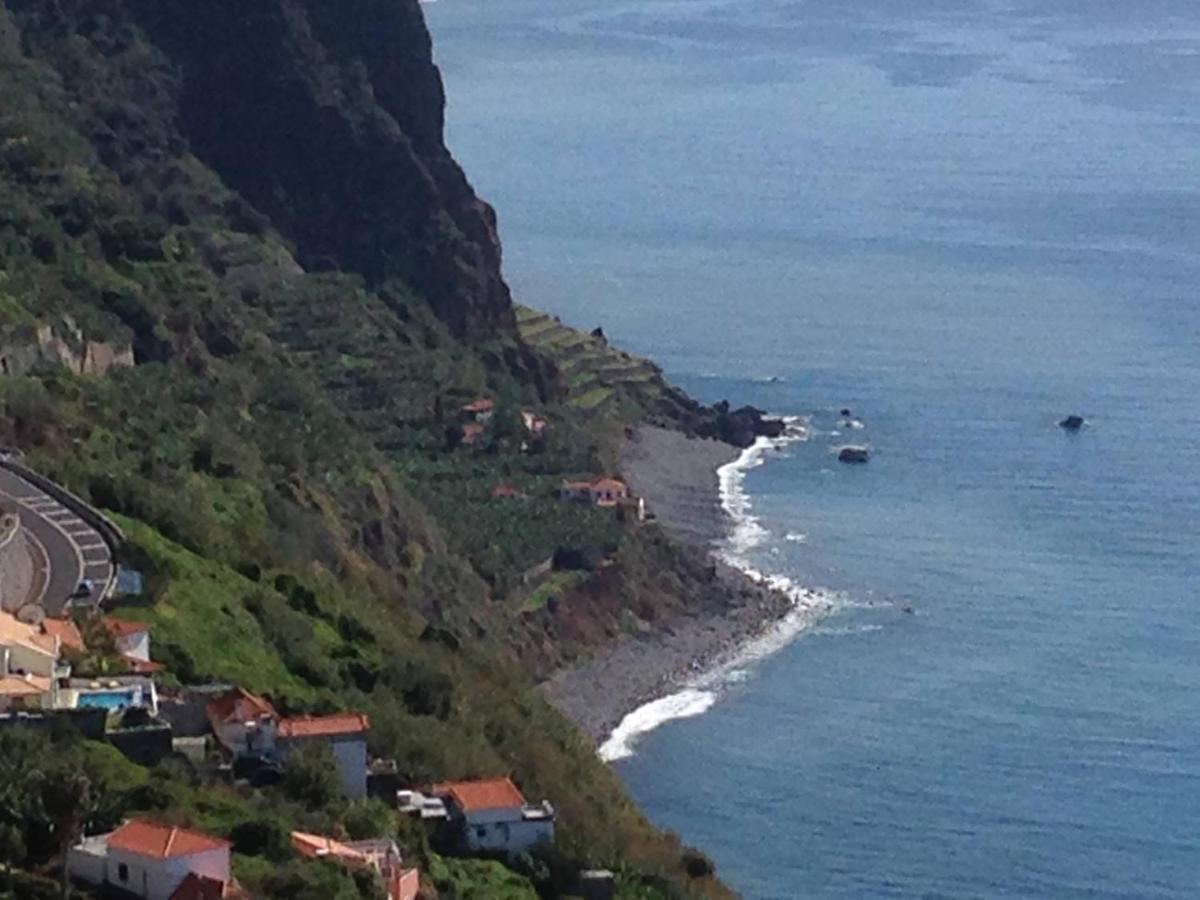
[[678, 477]]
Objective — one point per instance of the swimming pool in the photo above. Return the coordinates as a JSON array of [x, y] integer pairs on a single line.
[[107, 699]]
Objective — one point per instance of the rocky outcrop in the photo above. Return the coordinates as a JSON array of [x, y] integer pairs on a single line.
[[30, 349], [739, 427]]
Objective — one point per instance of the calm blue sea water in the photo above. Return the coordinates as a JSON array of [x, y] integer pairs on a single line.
[[963, 219]]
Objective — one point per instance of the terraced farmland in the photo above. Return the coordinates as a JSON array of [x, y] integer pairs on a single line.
[[599, 377]]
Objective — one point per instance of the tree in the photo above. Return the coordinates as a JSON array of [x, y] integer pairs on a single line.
[[68, 799], [310, 776], [12, 852]]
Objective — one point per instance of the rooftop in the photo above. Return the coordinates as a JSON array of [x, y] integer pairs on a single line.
[[124, 627], [66, 631], [160, 841], [324, 726], [473, 796], [319, 846], [478, 405], [13, 631], [240, 705], [23, 685]]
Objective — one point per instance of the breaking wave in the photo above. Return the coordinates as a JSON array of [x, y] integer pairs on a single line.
[[746, 534]]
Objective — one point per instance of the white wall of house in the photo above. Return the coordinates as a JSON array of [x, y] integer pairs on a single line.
[[136, 645], [351, 756], [18, 657], [157, 879], [88, 863], [506, 830]]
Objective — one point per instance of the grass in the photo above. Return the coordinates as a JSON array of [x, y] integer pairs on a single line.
[[199, 612], [478, 879]]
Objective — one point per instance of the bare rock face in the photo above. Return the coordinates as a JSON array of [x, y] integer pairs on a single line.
[[328, 118], [31, 349], [325, 116]]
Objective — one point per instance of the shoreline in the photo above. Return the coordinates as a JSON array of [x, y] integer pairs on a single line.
[[644, 680]]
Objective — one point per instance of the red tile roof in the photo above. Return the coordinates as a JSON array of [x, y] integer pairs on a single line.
[[609, 484], [316, 845], [251, 707], [66, 631], [199, 887], [324, 726], [472, 432], [472, 796], [153, 839], [479, 405], [143, 667], [124, 627]]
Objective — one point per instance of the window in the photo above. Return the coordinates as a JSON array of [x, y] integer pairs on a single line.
[[481, 832], [123, 872]]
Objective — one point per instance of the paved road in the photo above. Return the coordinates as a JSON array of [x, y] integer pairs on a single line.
[[66, 548]]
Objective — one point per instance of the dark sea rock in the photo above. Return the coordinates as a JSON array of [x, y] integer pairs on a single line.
[[854, 454], [1072, 423]]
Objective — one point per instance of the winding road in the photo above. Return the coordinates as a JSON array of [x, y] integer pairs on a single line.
[[65, 549]]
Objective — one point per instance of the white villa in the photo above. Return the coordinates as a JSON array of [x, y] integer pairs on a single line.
[[492, 815], [155, 862]]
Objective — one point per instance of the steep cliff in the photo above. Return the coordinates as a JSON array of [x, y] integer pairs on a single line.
[[326, 117]]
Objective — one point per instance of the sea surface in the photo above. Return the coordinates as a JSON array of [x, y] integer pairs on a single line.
[[962, 220]]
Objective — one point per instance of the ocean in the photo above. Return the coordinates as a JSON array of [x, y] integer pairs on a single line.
[[962, 220]]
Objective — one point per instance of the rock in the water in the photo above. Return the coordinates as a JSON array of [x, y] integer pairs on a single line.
[[853, 454], [1072, 423]]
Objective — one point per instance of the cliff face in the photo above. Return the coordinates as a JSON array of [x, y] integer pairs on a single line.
[[326, 117]]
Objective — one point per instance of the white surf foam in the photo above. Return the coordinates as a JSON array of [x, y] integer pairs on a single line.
[[808, 604], [688, 702]]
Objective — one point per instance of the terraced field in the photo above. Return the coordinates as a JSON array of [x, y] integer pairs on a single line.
[[599, 377]]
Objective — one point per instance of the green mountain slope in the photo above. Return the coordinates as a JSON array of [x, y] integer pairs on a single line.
[[244, 290]]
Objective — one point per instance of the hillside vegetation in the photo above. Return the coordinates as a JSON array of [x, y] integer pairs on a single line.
[[254, 200]]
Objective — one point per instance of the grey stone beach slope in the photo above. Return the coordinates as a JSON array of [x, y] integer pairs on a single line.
[[677, 476]]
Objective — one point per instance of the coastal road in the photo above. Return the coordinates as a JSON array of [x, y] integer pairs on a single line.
[[65, 548]]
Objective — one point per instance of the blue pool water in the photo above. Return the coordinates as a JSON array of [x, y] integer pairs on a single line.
[[963, 220], [106, 700]]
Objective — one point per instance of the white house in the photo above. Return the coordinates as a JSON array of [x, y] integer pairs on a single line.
[[153, 861], [29, 664], [601, 492], [344, 733], [492, 815], [132, 641]]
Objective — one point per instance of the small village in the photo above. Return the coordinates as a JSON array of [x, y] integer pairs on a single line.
[[73, 662]]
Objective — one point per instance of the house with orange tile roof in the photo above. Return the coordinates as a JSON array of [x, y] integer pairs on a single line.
[[29, 665], [247, 725], [381, 855], [131, 639], [601, 492], [479, 410], [346, 736], [67, 632], [492, 815], [243, 723], [154, 861]]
